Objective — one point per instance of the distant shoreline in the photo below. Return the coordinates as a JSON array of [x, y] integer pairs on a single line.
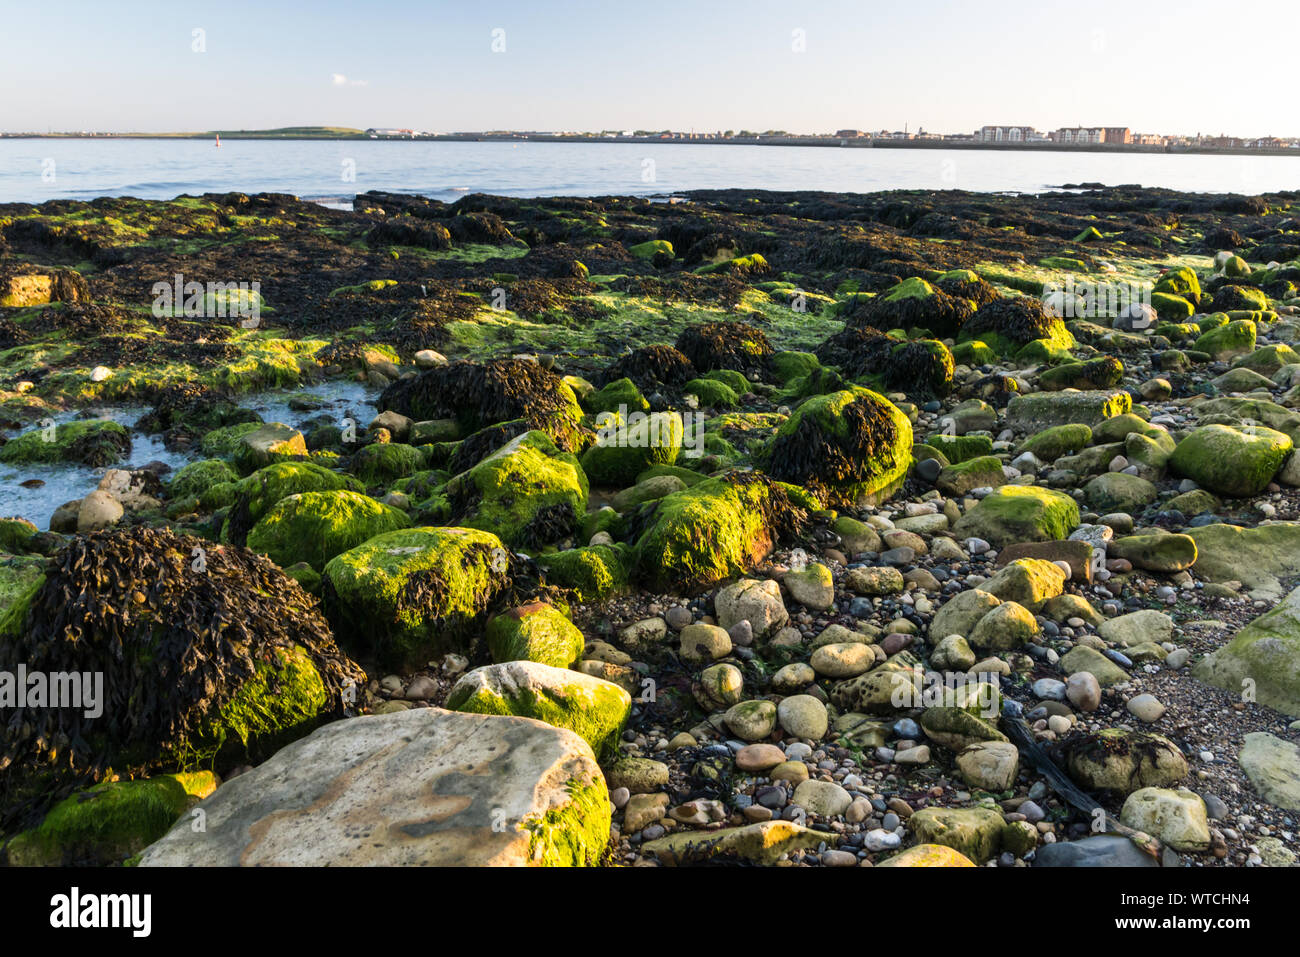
[[817, 141]]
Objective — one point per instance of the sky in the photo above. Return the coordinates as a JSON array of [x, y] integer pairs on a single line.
[[706, 65]]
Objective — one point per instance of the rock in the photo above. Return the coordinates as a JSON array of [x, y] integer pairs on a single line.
[[928, 855], [1083, 691], [702, 643], [268, 443], [464, 570], [644, 635], [961, 613], [751, 720], [1263, 657], [1146, 707], [314, 527], [1124, 761], [1256, 557], [1020, 513], [758, 602], [98, 510], [990, 765], [642, 810], [956, 728], [972, 832], [638, 775], [846, 660], [952, 654], [1076, 554], [1120, 492], [793, 677], [1100, 850], [803, 716], [1041, 410], [1138, 627], [874, 581], [591, 707], [421, 787], [757, 758], [1230, 461], [1176, 818], [110, 822], [535, 632], [1027, 581], [822, 798], [1083, 658], [720, 686], [655, 487], [1006, 627], [763, 843], [813, 588], [1273, 767]]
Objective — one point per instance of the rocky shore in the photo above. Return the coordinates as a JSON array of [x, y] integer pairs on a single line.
[[901, 529]]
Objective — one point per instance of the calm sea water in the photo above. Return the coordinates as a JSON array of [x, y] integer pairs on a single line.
[[37, 170]]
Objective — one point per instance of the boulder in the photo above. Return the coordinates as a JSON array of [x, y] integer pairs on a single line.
[[423, 787]]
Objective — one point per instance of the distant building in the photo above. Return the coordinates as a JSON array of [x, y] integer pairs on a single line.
[[849, 134], [1150, 139], [1004, 134], [1080, 134], [1118, 134]]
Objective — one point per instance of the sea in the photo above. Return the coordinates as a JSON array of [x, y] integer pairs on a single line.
[[334, 171]]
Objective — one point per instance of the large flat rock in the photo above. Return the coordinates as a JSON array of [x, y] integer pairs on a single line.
[[419, 787]]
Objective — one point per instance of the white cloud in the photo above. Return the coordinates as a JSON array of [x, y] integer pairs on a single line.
[[338, 79]]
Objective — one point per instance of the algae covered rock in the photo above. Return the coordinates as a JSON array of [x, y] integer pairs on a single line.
[[719, 528], [854, 444], [1119, 492], [498, 391], [1230, 461], [623, 450], [209, 656], [96, 443], [527, 492], [384, 462], [975, 832], [1125, 761], [420, 787], [592, 708], [537, 632], [254, 495], [1020, 513], [409, 595], [267, 444], [592, 573], [1041, 410], [1262, 659], [110, 822], [313, 527]]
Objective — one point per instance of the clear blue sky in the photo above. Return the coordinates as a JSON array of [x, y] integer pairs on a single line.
[[1198, 66]]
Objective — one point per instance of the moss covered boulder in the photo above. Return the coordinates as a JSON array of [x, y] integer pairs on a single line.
[[1231, 461], [592, 573], [1052, 443], [983, 472], [1263, 657], [198, 477], [420, 787], [97, 442], [410, 595], [592, 708], [1020, 513], [854, 444], [1236, 338], [528, 492], [385, 462], [623, 450], [313, 527], [1119, 492], [534, 632], [1041, 410], [1125, 761], [110, 822], [267, 444], [717, 529], [974, 832], [253, 496], [210, 656]]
